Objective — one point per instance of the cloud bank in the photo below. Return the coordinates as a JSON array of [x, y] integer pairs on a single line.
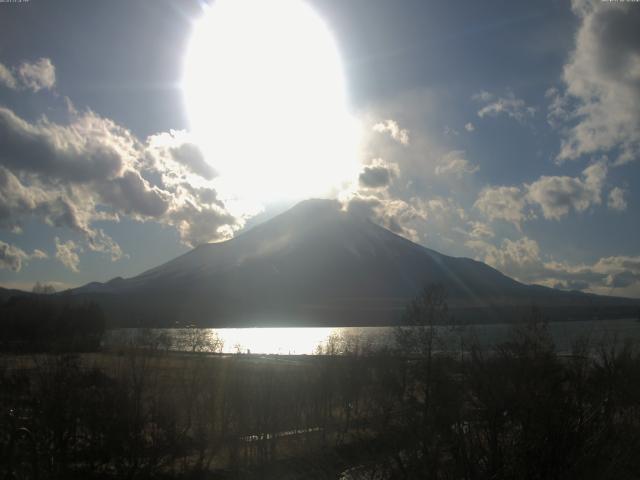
[[522, 259], [555, 196], [91, 169], [601, 93]]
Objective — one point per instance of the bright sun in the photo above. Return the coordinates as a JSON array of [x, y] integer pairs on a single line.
[[266, 98]]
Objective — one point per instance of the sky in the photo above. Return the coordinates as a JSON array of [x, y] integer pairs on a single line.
[[508, 132]]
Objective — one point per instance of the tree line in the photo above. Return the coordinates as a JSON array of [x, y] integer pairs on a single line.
[[412, 410], [47, 322]]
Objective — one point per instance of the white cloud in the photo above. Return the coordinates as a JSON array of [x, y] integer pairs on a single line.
[[418, 219], [557, 195], [469, 127], [400, 135], [178, 147], [509, 105], [378, 197], [34, 76], [616, 200], [448, 131], [6, 78], [602, 77], [67, 253], [401, 203], [518, 258], [39, 255], [483, 96], [38, 75], [615, 275], [522, 259], [13, 258], [502, 203], [397, 215], [480, 230], [558, 108], [95, 170], [620, 271], [455, 163]]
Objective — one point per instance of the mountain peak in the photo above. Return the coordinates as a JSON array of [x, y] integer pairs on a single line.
[[315, 207], [304, 216], [317, 204]]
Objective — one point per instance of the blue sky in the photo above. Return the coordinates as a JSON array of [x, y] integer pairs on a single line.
[[503, 131]]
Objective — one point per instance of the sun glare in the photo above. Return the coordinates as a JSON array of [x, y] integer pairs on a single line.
[[266, 98]]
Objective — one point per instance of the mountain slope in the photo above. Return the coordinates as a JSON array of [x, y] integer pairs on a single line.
[[7, 293], [313, 264]]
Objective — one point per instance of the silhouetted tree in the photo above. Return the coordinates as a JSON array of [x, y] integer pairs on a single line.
[[43, 288]]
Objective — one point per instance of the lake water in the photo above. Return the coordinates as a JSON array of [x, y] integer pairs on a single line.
[[305, 341]]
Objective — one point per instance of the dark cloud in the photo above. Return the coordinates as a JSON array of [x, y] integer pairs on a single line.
[[378, 174], [90, 149], [363, 207], [375, 177], [208, 196], [623, 279], [191, 156], [202, 225], [131, 194], [18, 200]]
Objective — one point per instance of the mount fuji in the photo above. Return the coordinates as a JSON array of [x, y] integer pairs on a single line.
[[317, 265]]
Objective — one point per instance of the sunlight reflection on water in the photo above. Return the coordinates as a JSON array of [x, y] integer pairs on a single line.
[[274, 340], [299, 341], [355, 340]]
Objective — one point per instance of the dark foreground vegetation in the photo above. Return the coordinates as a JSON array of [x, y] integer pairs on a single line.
[[517, 411], [44, 322]]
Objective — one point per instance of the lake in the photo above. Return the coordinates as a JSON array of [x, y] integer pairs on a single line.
[[306, 341]]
